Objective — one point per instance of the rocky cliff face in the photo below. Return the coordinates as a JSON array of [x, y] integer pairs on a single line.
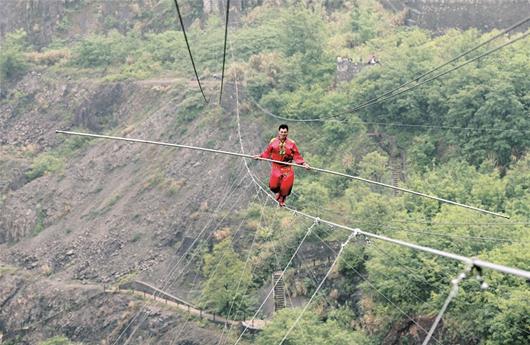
[[93, 212], [440, 15], [43, 20], [46, 19], [34, 308], [101, 211]]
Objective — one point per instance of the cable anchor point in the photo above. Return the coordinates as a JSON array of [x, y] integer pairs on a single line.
[[480, 277]]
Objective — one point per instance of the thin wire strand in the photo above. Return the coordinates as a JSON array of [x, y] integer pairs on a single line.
[[326, 171], [388, 124], [219, 262], [452, 294], [169, 277], [416, 79], [276, 282], [317, 289], [379, 292], [241, 275], [189, 49], [459, 237], [224, 50], [383, 99]]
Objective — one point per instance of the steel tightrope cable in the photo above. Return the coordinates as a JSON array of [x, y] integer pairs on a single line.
[[320, 170]]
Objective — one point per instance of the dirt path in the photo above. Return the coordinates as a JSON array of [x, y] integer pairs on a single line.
[[255, 324]]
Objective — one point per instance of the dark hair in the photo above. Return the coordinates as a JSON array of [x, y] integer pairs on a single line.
[[283, 125]]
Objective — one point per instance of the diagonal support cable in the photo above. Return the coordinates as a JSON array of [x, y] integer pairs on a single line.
[[286, 163], [189, 50], [417, 79], [276, 282], [352, 235], [452, 294], [224, 50], [392, 95]]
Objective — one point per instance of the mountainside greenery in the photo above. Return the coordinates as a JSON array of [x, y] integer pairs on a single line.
[[463, 137]]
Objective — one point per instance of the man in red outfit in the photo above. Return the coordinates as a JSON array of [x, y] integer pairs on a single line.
[[282, 176]]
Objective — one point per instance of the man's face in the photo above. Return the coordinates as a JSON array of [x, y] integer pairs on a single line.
[[283, 133]]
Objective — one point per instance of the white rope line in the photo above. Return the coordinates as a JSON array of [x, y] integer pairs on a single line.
[[452, 294], [303, 214], [457, 237], [241, 277], [221, 260], [318, 288], [276, 282], [377, 290], [172, 272], [447, 201]]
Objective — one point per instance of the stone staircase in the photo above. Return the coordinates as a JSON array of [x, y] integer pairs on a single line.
[[395, 171], [279, 291]]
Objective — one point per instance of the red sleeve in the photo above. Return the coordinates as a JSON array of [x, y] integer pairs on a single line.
[[296, 155], [268, 152]]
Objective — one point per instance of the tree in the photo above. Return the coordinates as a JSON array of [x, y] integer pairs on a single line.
[[310, 330], [12, 60], [227, 281]]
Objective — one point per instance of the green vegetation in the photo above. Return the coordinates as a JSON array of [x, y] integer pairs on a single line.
[[226, 288], [39, 220], [53, 161], [310, 330], [44, 164], [12, 61], [463, 137], [58, 340], [136, 237]]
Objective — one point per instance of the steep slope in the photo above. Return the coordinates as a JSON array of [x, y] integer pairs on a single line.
[[100, 210], [33, 309]]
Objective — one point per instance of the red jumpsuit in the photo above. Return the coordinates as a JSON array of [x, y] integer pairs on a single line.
[[282, 176]]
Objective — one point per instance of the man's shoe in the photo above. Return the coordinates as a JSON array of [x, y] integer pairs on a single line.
[[281, 202], [277, 196]]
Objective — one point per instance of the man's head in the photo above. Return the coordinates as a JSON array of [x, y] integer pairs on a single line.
[[283, 130]]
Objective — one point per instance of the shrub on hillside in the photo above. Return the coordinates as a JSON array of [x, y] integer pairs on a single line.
[[12, 60], [43, 164]]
